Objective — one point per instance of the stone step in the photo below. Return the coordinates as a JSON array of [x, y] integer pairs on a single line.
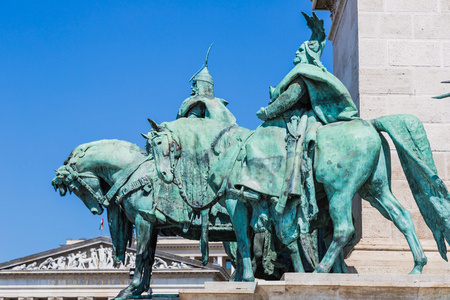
[[329, 286]]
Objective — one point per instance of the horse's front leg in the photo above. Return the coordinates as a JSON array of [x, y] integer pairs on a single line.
[[295, 257], [240, 220], [232, 252], [149, 236], [142, 237], [239, 272], [151, 249]]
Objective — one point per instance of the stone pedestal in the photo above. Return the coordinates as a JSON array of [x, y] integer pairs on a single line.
[[329, 286]]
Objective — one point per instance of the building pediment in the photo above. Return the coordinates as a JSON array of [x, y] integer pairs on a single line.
[[93, 254]]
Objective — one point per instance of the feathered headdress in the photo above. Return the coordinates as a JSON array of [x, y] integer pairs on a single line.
[[316, 26]]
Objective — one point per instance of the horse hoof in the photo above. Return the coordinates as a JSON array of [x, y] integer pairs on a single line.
[[320, 269], [415, 271], [140, 290], [124, 294], [248, 278]]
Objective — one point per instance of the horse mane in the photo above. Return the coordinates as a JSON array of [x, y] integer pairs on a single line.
[[86, 146], [178, 135], [68, 158]]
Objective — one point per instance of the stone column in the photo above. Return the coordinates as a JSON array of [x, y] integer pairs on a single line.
[[220, 260], [392, 55]]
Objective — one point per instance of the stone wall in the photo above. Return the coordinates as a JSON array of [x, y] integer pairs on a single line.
[[392, 55], [402, 45]]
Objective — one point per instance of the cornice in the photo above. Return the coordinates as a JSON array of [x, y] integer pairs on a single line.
[[336, 7], [324, 4]]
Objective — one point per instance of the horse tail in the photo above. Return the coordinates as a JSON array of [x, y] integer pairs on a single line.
[[429, 191], [121, 230]]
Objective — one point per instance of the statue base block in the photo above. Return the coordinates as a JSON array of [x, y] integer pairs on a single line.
[[329, 286], [153, 296]]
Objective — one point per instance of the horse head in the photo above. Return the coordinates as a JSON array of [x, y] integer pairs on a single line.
[[83, 183], [165, 149]]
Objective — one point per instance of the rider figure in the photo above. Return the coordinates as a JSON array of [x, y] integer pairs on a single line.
[[309, 85], [202, 103], [307, 97]]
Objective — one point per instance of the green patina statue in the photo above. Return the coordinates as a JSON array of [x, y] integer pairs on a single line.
[[268, 178], [308, 86], [202, 103], [280, 196], [443, 95]]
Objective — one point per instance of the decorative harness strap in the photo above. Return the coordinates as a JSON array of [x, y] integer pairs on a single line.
[[124, 176], [223, 186], [144, 181]]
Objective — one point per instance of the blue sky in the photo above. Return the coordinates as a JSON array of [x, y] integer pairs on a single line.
[[73, 72]]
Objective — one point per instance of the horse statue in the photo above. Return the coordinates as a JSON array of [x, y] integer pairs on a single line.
[[349, 157], [101, 171]]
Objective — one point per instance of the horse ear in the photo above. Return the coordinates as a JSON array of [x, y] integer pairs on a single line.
[[155, 126]]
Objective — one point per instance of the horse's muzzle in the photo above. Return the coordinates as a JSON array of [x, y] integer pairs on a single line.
[[57, 184], [95, 211], [62, 190]]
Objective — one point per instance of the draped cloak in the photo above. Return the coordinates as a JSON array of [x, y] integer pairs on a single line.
[[264, 167], [328, 96], [214, 108]]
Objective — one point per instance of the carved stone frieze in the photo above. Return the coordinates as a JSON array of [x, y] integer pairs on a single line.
[[97, 258]]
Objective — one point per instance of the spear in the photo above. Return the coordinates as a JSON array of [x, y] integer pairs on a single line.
[[443, 95]]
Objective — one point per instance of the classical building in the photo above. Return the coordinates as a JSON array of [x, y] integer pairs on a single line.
[[83, 269], [392, 55]]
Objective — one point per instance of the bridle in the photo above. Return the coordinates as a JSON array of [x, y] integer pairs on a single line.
[[75, 175], [173, 148]]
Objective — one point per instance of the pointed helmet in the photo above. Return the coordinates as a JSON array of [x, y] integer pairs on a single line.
[[202, 82]]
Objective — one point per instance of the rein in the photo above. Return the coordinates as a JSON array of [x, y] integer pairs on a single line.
[[172, 160]]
